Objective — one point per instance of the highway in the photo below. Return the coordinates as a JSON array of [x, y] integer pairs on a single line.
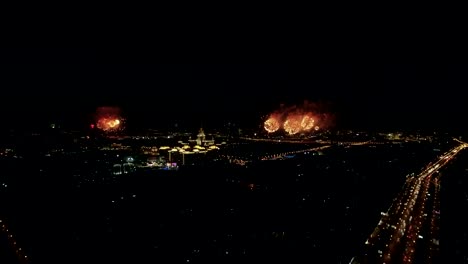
[[408, 231], [13, 245]]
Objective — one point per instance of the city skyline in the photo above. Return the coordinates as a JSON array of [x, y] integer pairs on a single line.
[[107, 157]]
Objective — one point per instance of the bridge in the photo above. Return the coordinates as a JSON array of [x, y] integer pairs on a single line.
[[309, 141], [291, 153]]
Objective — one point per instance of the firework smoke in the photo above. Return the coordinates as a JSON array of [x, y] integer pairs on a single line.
[[307, 118]]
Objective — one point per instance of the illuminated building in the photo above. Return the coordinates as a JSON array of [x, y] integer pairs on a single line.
[[201, 139]]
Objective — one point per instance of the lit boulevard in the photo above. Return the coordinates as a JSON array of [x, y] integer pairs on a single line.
[[408, 231], [20, 254]]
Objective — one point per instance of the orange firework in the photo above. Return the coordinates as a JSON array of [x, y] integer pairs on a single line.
[[292, 125], [271, 124], [108, 124], [108, 118], [307, 122], [300, 119]]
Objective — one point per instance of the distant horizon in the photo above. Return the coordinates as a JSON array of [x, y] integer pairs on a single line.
[[180, 125], [74, 116], [69, 85]]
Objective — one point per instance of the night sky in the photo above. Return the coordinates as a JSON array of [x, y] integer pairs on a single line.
[[68, 85]]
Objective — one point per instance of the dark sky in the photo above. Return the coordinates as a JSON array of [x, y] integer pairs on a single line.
[[40, 85]]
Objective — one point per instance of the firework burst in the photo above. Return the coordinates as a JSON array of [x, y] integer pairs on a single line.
[[272, 124], [292, 125], [299, 119], [108, 119]]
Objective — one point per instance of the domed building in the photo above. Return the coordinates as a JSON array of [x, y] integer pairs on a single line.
[[201, 139]]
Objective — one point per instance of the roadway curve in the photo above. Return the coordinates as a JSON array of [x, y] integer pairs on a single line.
[[408, 231]]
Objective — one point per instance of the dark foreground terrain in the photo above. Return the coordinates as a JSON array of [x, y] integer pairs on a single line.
[[314, 207]]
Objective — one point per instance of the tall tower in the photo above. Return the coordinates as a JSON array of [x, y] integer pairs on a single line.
[[200, 137]]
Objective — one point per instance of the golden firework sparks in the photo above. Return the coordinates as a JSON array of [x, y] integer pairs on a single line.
[[307, 122], [271, 124], [292, 125], [108, 119]]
